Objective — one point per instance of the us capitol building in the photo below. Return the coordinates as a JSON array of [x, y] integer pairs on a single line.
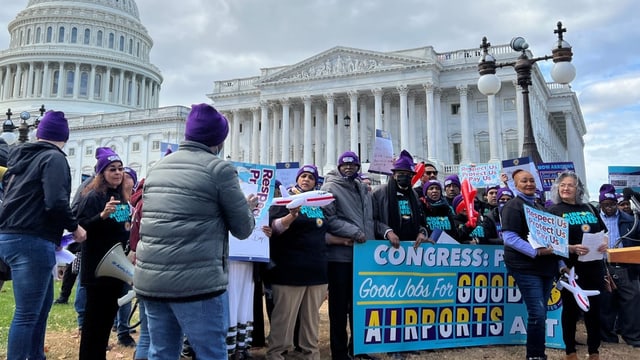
[[90, 59]]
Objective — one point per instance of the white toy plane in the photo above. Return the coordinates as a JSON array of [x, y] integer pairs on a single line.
[[309, 198], [581, 296]]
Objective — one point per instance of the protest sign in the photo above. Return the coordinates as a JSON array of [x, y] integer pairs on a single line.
[[546, 229], [549, 172], [382, 153], [481, 175]]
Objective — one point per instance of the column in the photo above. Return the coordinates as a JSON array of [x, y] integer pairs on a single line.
[[235, 135], [415, 127], [7, 83], [61, 80], [494, 139], [403, 90], [92, 82], [121, 87], [255, 133], [275, 132], [46, 81], [76, 81], [440, 128], [353, 100], [106, 82], [264, 132], [297, 135], [286, 130], [364, 132], [377, 107], [17, 84], [307, 155], [465, 126], [30, 81], [38, 83], [331, 135], [386, 118], [143, 95], [431, 123], [317, 160], [341, 131]]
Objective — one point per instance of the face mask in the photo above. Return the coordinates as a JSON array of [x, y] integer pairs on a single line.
[[404, 181]]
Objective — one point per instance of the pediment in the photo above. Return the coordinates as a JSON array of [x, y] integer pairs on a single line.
[[342, 61]]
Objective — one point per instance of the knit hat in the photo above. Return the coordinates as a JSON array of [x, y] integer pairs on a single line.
[[456, 201], [620, 198], [312, 169], [491, 187], [430, 183], [404, 162], [105, 156], [348, 157], [133, 174], [504, 191], [206, 125], [452, 180], [53, 127], [607, 192]]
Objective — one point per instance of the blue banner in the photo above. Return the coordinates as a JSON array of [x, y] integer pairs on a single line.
[[441, 296], [549, 172]]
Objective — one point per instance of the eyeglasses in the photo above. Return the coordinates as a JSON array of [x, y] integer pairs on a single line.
[[431, 172], [609, 205], [569, 186]]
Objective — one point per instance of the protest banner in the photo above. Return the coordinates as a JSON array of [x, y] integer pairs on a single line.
[[625, 176], [523, 163], [549, 172], [286, 172], [382, 153], [546, 229], [440, 296], [259, 180], [481, 175]]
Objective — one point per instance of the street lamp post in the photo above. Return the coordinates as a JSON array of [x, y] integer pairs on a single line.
[[23, 129], [563, 72]]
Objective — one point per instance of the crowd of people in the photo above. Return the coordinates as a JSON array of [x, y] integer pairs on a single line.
[[175, 224]]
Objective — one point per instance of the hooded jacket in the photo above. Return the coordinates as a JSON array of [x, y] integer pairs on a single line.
[[37, 187]]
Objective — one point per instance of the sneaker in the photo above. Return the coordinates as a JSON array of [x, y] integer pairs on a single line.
[[61, 301], [126, 341]]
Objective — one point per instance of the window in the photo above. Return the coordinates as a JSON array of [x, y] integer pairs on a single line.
[[49, 34], [54, 84], [99, 38], [130, 46], [84, 84], [121, 43], [455, 109], [484, 150], [71, 152], [88, 151], [457, 153], [155, 145], [97, 86], [38, 33], [138, 49], [70, 78], [87, 36], [129, 91], [28, 36], [482, 106], [74, 35], [112, 39], [512, 148], [240, 130], [61, 34], [509, 104], [135, 147]]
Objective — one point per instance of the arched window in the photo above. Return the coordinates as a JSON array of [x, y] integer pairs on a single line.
[[99, 38], [61, 34], [54, 84], [112, 39], [87, 36], [49, 34], [20, 37], [74, 35], [97, 86], [138, 49], [121, 43], [130, 46], [70, 78], [129, 91], [38, 33], [84, 84], [28, 36]]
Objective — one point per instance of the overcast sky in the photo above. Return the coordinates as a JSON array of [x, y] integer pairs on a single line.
[[197, 42]]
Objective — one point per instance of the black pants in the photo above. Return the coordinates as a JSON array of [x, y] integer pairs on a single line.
[[100, 310], [590, 277], [340, 309], [68, 279], [619, 308]]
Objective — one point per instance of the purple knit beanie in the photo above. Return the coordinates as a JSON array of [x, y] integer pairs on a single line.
[[53, 127], [206, 125], [105, 156]]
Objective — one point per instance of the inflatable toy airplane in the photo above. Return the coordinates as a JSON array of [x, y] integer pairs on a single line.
[[309, 198], [581, 296]]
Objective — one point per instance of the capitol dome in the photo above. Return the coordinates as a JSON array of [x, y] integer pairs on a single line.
[[79, 56]]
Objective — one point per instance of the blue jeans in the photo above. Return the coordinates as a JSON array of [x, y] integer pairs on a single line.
[[31, 260], [142, 349], [535, 292], [204, 322], [79, 303]]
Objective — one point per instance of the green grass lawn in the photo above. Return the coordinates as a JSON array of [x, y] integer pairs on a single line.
[[61, 317]]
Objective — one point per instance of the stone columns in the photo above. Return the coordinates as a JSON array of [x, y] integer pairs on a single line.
[[465, 126], [403, 90], [377, 107], [30, 81], [318, 136], [286, 130], [61, 80], [255, 133], [297, 134], [307, 155], [431, 123], [235, 135], [76, 81], [264, 132], [331, 135], [353, 99]]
